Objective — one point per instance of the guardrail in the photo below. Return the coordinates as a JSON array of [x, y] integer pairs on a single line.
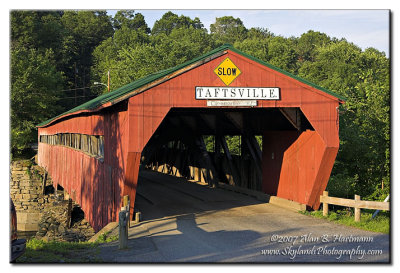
[[357, 204]]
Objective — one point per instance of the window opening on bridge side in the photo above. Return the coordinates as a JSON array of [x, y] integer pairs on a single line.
[[92, 145]]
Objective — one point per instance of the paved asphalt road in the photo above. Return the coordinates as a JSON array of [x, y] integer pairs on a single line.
[[184, 222]]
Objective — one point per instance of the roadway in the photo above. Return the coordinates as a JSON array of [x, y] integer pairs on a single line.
[[187, 222]]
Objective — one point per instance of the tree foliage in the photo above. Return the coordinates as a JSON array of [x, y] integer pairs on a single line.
[[34, 85], [228, 29], [130, 20], [170, 21], [56, 50]]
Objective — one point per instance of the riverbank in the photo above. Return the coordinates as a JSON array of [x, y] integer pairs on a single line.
[[42, 211]]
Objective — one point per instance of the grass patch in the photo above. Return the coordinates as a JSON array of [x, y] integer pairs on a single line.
[[381, 223], [106, 238], [39, 251]]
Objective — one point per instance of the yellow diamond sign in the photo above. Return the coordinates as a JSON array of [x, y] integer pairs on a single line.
[[227, 71]]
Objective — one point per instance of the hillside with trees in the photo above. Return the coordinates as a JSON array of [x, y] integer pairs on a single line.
[[56, 56]]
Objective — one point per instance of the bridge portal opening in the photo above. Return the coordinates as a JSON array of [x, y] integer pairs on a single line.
[[241, 147]]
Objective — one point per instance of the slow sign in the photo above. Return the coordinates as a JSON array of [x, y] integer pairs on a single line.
[[227, 71]]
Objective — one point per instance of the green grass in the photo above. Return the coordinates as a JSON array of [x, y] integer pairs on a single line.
[[39, 251], [106, 238], [381, 223]]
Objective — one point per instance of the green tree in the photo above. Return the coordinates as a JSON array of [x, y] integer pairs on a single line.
[[25, 26], [36, 29], [276, 50], [107, 56], [281, 53], [228, 29], [84, 31], [259, 33], [170, 21], [363, 161], [50, 51], [309, 42], [143, 55], [130, 20], [255, 47], [34, 96]]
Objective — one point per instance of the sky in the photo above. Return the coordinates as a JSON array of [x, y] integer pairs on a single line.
[[365, 28]]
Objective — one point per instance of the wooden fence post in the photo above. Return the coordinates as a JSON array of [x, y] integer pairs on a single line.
[[355, 203], [138, 217], [357, 210], [325, 205]]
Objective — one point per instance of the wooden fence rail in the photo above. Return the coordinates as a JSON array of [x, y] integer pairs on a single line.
[[357, 204]]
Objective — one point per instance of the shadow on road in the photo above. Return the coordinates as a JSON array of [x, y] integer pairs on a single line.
[[184, 222]]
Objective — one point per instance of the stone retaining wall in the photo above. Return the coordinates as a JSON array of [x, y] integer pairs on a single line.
[[26, 193], [44, 213]]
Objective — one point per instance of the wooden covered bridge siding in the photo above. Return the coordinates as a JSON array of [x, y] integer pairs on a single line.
[[96, 184], [295, 164]]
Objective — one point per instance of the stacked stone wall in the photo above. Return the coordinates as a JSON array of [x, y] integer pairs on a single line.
[[46, 213], [26, 192]]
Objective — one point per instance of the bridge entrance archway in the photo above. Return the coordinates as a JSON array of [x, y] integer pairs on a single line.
[[215, 145]]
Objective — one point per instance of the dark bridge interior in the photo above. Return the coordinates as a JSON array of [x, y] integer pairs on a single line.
[[192, 143]]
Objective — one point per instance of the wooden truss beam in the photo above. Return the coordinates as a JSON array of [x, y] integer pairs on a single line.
[[232, 167], [293, 115]]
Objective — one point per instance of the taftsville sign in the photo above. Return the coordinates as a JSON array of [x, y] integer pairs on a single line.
[[237, 93]]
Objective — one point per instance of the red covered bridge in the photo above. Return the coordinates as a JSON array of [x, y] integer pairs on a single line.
[[94, 151]]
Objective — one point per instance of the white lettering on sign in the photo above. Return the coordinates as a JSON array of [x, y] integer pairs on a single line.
[[237, 93], [232, 103]]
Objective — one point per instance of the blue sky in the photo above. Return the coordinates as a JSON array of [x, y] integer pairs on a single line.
[[365, 28]]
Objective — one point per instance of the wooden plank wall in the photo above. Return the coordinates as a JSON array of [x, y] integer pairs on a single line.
[[95, 185]]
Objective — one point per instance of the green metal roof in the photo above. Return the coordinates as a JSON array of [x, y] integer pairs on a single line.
[[126, 89]]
